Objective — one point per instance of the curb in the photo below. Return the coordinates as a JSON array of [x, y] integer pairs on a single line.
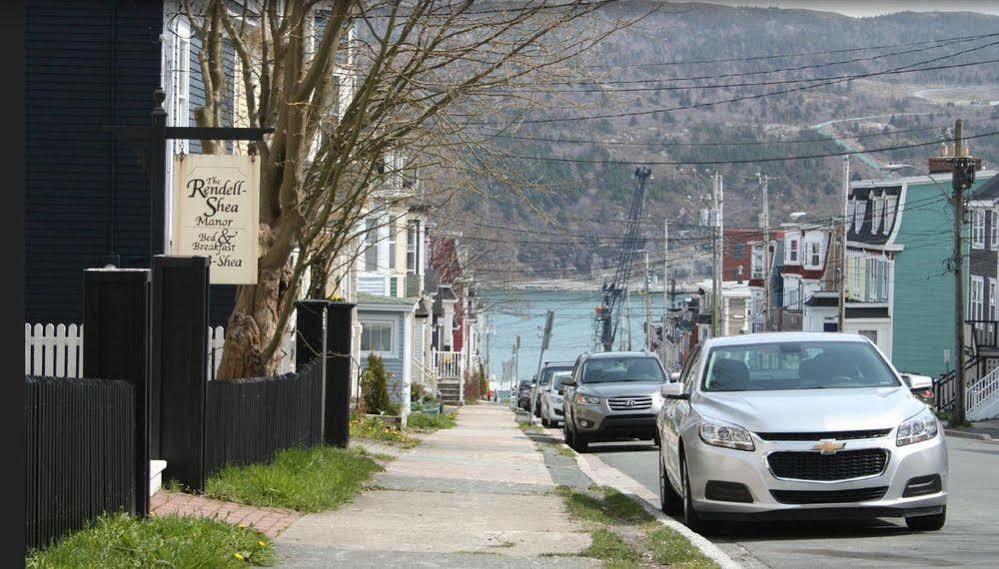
[[968, 435], [603, 474]]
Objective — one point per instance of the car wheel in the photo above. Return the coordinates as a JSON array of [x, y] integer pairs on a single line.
[[656, 439], [566, 433], [690, 517], [669, 500], [544, 421], [927, 523]]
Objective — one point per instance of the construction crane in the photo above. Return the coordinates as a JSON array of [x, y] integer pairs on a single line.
[[608, 314]]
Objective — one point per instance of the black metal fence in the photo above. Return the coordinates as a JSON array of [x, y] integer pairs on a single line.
[[80, 453], [249, 420]]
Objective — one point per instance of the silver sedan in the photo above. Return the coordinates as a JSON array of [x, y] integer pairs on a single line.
[[799, 426]]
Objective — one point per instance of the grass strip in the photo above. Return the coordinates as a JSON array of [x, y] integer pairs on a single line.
[[374, 429], [670, 548], [303, 479], [428, 423], [119, 540], [604, 506]]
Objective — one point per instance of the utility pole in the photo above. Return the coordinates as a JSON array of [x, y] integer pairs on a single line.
[[648, 304], [765, 222], [716, 288], [545, 339], [627, 305], [844, 229], [963, 175], [666, 305]]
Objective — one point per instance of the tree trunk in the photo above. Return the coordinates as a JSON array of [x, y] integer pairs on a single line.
[[253, 323]]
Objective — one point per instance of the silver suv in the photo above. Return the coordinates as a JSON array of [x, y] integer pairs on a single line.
[[612, 396]]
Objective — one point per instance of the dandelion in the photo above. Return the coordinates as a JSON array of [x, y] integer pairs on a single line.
[[242, 526], [239, 556], [262, 543]]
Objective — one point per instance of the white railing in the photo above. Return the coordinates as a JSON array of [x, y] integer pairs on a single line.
[[449, 365], [982, 397], [54, 350], [426, 376]]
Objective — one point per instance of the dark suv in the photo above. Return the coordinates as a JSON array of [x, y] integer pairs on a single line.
[[612, 396], [524, 395]]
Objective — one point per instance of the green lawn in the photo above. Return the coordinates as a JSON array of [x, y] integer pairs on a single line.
[[307, 480], [374, 429], [169, 541]]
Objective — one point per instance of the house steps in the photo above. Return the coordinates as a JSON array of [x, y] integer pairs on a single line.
[[450, 390]]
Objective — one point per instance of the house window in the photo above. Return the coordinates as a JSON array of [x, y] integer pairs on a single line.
[[858, 218], [993, 315], [978, 230], [181, 81], [412, 247], [884, 281], [890, 203], [975, 304], [857, 281], [814, 256], [851, 210], [392, 244], [377, 336], [994, 233], [872, 279], [370, 239], [793, 251], [757, 265], [876, 214]]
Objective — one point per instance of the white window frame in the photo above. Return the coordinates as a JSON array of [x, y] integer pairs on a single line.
[[180, 81], [814, 254], [393, 244], [876, 215], [976, 299], [994, 232], [370, 245], [872, 278], [858, 218], [393, 324], [978, 229], [793, 249], [993, 315], [891, 202], [412, 247], [851, 210]]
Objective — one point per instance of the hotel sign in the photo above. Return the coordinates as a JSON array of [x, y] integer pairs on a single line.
[[215, 214]]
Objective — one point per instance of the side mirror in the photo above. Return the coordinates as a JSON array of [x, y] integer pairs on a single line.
[[674, 377], [921, 385], [568, 382], [673, 391]]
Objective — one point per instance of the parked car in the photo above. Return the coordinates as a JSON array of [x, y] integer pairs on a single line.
[[547, 370], [799, 426], [524, 394], [550, 400], [612, 396]]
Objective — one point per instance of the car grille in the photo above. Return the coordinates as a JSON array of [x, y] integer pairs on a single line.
[[842, 465], [629, 403], [835, 435], [828, 496]]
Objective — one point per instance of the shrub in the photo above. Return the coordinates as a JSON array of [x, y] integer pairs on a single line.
[[374, 387], [417, 392]]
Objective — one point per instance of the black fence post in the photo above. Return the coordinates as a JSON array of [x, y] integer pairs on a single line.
[[116, 346], [310, 343], [180, 367], [339, 327]]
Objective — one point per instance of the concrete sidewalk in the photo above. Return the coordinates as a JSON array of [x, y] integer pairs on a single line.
[[476, 495]]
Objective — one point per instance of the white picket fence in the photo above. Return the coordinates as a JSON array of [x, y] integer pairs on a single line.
[[56, 350], [53, 350]]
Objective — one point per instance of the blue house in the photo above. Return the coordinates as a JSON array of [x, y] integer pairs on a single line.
[[387, 330]]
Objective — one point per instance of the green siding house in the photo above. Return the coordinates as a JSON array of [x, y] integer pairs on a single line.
[[900, 242]]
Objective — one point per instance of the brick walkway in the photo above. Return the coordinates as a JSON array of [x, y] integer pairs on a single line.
[[270, 521]]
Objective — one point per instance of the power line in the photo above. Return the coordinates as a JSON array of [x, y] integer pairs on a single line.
[[895, 71], [781, 55]]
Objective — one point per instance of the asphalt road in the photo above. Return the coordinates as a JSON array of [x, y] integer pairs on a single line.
[[970, 538]]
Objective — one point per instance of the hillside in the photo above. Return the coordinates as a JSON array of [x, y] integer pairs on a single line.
[[556, 232]]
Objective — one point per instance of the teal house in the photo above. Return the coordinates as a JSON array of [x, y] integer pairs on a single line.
[[899, 286]]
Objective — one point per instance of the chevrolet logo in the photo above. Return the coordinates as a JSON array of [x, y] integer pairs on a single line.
[[829, 446]]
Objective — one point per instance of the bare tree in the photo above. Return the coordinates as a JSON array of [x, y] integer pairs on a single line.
[[426, 75]]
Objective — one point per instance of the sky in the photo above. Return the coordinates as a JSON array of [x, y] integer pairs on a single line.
[[864, 8]]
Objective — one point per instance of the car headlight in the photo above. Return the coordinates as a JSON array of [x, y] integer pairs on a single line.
[[583, 399], [721, 434], [920, 427]]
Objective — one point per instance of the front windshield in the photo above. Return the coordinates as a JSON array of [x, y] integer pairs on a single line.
[[604, 370], [796, 365], [557, 378], [549, 372]]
